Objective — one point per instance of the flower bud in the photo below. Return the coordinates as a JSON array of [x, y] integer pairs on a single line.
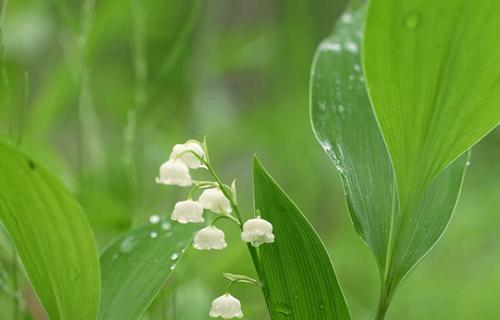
[[214, 200], [209, 238], [183, 153], [188, 211], [257, 231], [226, 307]]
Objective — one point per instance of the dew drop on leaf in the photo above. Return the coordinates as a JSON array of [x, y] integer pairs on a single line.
[[346, 18], [154, 219], [412, 21], [284, 309], [351, 47], [153, 234], [127, 245], [174, 256], [166, 226]]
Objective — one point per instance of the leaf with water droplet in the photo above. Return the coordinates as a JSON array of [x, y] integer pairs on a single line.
[[130, 279], [294, 280], [412, 20], [356, 147], [284, 309]]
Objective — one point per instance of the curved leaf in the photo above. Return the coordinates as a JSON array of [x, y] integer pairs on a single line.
[[52, 237], [434, 81], [298, 276], [346, 127], [137, 265]]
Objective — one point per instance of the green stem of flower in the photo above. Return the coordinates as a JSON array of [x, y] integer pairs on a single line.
[[234, 206], [230, 217], [199, 185], [255, 283]]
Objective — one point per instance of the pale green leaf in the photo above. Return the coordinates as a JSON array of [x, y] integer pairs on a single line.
[[52, 237], [346, 127], [299, 279], [434, 80], [137, 265]]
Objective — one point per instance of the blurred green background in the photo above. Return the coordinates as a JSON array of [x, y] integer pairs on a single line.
[[99, 92]]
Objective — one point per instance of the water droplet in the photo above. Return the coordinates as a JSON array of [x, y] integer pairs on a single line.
[[327, 146], [153, 234], [284, 309], [154, 219], [346, 18], [172, 267], [341, 108], [412, 21], [330, 46], [174, 256], [467, 163], [357, 67], [127, 245], [351, 47], [166, 226]]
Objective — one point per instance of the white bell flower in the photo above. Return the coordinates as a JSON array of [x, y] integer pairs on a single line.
[[174, 172], [209, 238], [214, 200], [226, 307], [257, 231], [182, 152], [188, 211]]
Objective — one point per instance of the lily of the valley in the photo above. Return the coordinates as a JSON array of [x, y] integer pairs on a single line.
[[226, 307], [257, 231], [188, 211], [209, 238], [214, 200], [184, 153], [174, 172]]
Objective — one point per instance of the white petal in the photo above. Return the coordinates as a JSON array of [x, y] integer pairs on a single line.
[[257, 231], [227, 307], [183, 153], [214, 200], [174, 172], [209, 238], [188, 211]]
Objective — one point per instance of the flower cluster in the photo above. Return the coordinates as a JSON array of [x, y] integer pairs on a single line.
[[215, 197]]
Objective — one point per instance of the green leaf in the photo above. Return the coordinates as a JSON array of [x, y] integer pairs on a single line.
[[298, 276], [434, 80], [137, 265], [52, 237], [346, 127]]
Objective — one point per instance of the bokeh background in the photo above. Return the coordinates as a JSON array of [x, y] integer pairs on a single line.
[[98, 92]]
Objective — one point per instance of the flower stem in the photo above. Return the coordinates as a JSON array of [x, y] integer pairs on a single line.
[[254, 282], [230, 217]]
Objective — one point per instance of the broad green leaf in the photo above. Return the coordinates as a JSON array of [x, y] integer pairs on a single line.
[[52, 237], [346, 127], [434, 81], [136, 266], [298, 276]]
